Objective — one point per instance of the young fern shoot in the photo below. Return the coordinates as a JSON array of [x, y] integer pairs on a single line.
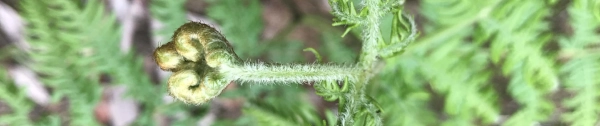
[[204, 63]]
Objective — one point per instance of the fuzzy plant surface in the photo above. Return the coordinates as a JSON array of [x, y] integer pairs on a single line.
[[203, 62]]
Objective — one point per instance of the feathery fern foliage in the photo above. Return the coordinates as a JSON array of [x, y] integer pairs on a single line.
[[171, 14], [246, 41], [289, 109], [61, 34], [14, 98], [582, 71], [452, 65], [71, 50], [520, 33], [450, 58]]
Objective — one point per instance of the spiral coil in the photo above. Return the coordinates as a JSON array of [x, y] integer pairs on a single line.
[[195, 55]]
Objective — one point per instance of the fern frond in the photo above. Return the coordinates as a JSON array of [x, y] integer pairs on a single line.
[[453, 65], [582, 78], [61, 33], [457, 70], [519, 37], [241, 26], [335, 50], [583, 69], [400, 81], [452, 12], [289, 108], [445, 25], [171, 13], [535, 107], [16, 100], [267, 118]]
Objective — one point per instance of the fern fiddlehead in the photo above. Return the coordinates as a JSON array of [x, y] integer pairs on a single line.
[[195, 52], [204, 63]]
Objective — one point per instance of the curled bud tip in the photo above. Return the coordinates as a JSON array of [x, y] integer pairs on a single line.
[[167, 58]]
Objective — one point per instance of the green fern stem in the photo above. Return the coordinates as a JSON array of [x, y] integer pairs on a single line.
[[371, 35], [204, 63], [356, 98], [290, 73]]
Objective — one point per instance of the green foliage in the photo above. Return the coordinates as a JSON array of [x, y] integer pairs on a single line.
[[286, 51], [61, 34], [15, 99], [171, 14], [331, 91], [72, 51], [453, 57], [463, 81], [401, 82], [470, 59], [499, 27], [532, 72], [582, 71], [290, 109], [246, 41], [453, 67], [126, 69], [335, 50]]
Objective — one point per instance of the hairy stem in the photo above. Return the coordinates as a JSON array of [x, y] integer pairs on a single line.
[[371, 35], [368, 59], [290, 73]]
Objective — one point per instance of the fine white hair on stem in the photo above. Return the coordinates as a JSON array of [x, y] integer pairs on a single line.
[[260, 72]]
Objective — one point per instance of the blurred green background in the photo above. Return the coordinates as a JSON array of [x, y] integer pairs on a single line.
[[476, 62]]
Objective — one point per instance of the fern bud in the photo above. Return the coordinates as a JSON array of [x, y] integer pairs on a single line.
[[219, 58], [188, 86], [195, 40], [196, 54], [187, 42], [204, 63], [167, 58]]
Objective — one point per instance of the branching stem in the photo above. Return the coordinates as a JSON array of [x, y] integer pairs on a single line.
[[368, 59], [371, 34]]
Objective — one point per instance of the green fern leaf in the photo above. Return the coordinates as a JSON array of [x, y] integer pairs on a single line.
[[582, 70]]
